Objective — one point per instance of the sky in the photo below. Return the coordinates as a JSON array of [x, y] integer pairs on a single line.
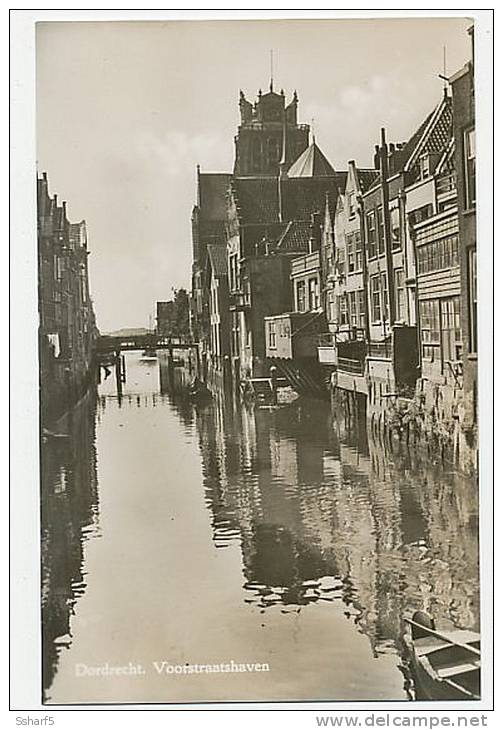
[[126, 110]]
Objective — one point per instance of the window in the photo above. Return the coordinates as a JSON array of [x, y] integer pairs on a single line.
[[332, 311], [361, 308], [358, 251], [58, 267], [472, 300], [430, 328], [371, 233], [395, 228], [424, 166], [233, 272], [352, 204], [421, 214], [340, 260], [375, 298], [450, 329], [400, 295], [342, 307], [247, 292], [437, 255], [273, 152], [469, 150], [314, 294], [384, 290], [353, 309], [350, 252], [272, 334], [301, 296], [235, 334], [380, 228]]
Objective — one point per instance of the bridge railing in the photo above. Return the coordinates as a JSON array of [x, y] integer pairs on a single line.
[[108, 343]]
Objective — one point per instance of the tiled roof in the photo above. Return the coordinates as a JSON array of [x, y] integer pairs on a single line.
[[296, 237], [256, 199], [311, 163], [366, 178], [434, 134], [217, 255], [304, 196]]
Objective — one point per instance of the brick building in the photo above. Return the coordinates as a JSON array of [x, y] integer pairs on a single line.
[[67, 326]]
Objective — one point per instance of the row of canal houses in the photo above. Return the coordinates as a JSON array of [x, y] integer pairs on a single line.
[[67, 323], [360, 283]]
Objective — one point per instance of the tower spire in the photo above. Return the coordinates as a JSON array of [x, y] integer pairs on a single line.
[[271, 61]]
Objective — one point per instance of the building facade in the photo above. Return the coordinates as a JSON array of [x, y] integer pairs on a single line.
[[368, 273], [462, 84], [67, 326]]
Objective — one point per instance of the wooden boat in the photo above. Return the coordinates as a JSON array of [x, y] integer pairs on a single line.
[[445, 665], [261, 393]]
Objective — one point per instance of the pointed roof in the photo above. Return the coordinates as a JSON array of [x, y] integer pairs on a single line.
[[217, 256], [311, 163]]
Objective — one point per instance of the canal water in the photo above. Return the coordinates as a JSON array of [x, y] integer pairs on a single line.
[[176, 535]]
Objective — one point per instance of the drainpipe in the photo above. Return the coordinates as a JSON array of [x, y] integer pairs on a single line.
[[405, 253]]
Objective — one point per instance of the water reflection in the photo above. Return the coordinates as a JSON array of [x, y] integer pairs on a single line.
[[69, 517], [317, 543], [323, 514]]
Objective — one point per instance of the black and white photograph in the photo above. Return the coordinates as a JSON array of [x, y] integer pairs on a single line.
[[258, 413]]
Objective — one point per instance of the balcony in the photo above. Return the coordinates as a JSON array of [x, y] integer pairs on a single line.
[[327, 349], [351, 365], [344, 350], [304, 264], [381, 350]]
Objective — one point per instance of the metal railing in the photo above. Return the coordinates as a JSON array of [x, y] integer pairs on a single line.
[[382, 349], [331, 339], [350, 365]]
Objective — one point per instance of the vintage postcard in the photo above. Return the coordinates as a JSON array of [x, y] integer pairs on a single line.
[[258, 337]]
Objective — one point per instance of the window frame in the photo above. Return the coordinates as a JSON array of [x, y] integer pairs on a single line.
[[470, 198]]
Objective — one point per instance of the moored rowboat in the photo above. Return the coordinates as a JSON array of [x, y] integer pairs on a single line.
[[446, 665]]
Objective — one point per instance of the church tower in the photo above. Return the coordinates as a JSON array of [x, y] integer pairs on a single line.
[[268, 135]]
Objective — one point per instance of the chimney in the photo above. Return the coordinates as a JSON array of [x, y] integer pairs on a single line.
[[377, 157]]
